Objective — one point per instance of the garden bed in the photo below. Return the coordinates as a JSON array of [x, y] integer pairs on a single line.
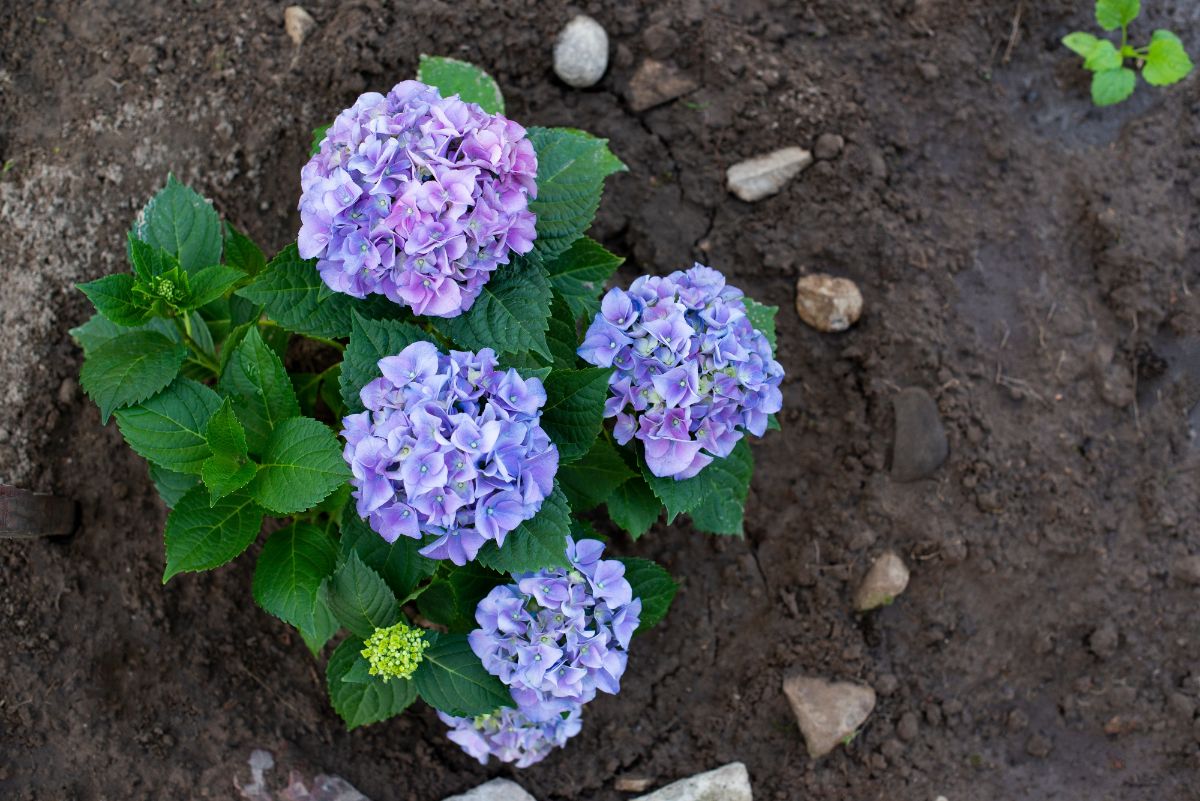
[[1029, 261]]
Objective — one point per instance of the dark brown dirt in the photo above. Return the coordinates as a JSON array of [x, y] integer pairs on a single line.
[[1031, 262]]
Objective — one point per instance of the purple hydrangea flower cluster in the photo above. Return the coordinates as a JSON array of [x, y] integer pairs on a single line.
[[691, 372], [510, 735], [449, 446], [555, 638], [418, 198]]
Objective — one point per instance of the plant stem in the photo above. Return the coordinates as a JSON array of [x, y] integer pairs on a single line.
[[198, 354]]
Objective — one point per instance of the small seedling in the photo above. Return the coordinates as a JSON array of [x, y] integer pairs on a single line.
[[1163, 61]]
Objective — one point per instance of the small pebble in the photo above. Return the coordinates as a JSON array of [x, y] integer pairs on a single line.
[[829, 146], [68, 390], [581, 53], [1187, 570], [1104, 640], [728, 783], [495, 790], [920, 445], [298, 23], [633, 784], [763, 176], [827, 712], [887, 578], [828, 303], [656, 83]]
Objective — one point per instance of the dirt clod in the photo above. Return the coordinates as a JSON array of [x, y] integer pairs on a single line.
[[920, 446], [656, 83]]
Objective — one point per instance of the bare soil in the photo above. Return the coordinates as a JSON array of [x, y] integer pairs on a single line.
[[1031, 262]]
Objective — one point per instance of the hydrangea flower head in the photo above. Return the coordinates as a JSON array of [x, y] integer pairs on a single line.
[[557, 636], [450, 446], [690, 371], [395, 652], [418, 198], [511, 735]]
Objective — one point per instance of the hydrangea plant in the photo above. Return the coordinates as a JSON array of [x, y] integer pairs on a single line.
[[411, 400]]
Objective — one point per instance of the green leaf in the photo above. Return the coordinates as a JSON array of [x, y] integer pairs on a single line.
[[452, 679], [454, 77], [318, 136], [592, 480], [242, 253], [359, 598], [290, 291], [129, 368], [451, 601], [255, 378], [510, 315], [724, 503], [578, 275], [762, 317], [1081, 43], [399, 562], [201, 537], [99, 329], [361, 703], [574, 409], [572, 166], [1166, 60], [370, 341], [228, 469], [288, 576], [679, 497], [1113, 14], [149, 261], [1112, 86], [562, 337], [301, 464], [113, 297], [537, 543], [168, 429], [654, 585], [171, 486], [182, 223], [211, 283], [634, 507], [1104, 56]]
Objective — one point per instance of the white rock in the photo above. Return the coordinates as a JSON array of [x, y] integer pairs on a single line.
[[581, 53], [886, 579], [298, 23], [828, 712], [728, 783], [495, 790], [827, 303], [763, 176]]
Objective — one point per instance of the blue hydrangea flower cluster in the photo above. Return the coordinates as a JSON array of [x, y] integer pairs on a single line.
[[510, 735], [418, 198], [449, 446], [555, 638], [691, 372]]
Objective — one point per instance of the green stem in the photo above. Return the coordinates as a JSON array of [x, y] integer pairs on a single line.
[[184, 324], [415, 594]]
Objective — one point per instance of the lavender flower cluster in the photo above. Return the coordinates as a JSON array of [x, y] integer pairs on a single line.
[[418, 198], [691, 372], [449, 446], [555, 638]]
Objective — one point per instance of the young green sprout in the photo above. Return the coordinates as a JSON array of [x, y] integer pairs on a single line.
[[1163, 61]]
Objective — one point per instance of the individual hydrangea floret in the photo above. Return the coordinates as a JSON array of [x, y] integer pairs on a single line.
[[690, 371], [511, 735], [449, 446], [557, 636], [395, 652], [418, 198]]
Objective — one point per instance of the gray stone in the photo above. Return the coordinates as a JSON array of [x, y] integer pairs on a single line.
[[886, 579], [827, 712], [828, 303], [763, 176], [581, 53], [920, 446], [298, 23], [829, 146], [728, 783], [656, 83], [495, 790]]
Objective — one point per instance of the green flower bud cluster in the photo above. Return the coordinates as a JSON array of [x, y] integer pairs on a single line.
[[395, 652]]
